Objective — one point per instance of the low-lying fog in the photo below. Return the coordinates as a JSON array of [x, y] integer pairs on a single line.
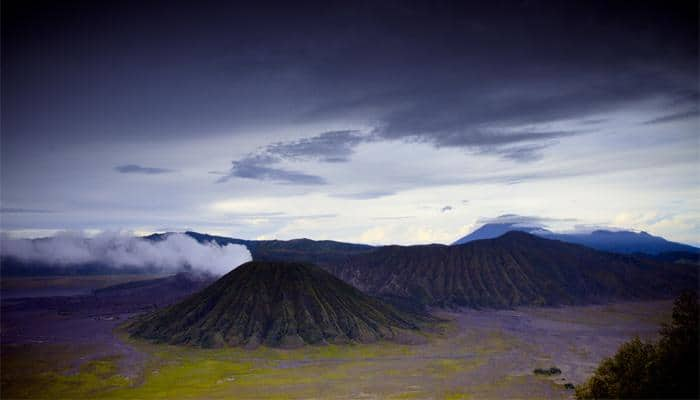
[[176, 252]]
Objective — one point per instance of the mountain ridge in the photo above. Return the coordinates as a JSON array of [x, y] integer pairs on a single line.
[[514, 269], [297, 250]]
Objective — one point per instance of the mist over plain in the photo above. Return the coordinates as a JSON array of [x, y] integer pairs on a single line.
[[119, 250]]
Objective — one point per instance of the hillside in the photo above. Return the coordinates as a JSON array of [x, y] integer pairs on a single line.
[[276, 304], [514, 269]]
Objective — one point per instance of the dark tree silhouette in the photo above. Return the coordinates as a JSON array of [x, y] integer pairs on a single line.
[[666, 369]]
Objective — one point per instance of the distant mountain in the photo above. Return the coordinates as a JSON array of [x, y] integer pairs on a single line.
[[624, 242], [514, 269], [491, 231], [276, 304]]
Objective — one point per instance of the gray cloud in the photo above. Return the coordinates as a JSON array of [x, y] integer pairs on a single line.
[[594, 121], [446, 209], [259, 167], [523, 220], [527, 153], [13, 210], [439, 71], [446, 113], [312, 216], [279, 216], [366, 195], [332, 146], [467, 124], [138, 169], [256, 214], [674, 117], [338, 146]]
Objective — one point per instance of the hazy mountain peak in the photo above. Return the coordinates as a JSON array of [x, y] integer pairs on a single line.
[[615, 241], [494, 230]]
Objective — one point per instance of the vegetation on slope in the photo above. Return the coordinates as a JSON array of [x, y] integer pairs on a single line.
[[276, 304], [514, 269], [666, 369]]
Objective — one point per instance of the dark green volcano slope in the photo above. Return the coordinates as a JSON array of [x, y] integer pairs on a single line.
[[276, 304], [514, 269]]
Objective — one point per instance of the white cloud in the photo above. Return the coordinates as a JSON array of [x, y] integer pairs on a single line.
[[175, 252]]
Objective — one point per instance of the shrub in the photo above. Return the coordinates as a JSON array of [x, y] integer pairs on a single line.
[[548, 372], [666, 369]]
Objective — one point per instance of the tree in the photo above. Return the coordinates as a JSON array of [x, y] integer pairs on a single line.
[[666, 369], [677, 350]]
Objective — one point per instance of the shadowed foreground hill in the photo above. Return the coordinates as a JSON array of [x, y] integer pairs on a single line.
[[514, 269], [276, 304]]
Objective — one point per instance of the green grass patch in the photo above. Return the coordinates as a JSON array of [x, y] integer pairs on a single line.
[[437, 369], [49, 375]]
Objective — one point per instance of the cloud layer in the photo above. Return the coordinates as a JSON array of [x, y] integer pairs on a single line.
[[364, 110], [523, 220], [175, 252]]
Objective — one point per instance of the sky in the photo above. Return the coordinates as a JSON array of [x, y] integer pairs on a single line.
[[376, 122]]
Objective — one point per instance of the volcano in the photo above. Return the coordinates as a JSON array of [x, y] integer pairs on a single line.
[[279, 305]]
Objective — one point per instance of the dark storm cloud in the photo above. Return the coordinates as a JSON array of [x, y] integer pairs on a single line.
[[260, 167], [489, 77], [456, 117], [138, 169], [448, 72]]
